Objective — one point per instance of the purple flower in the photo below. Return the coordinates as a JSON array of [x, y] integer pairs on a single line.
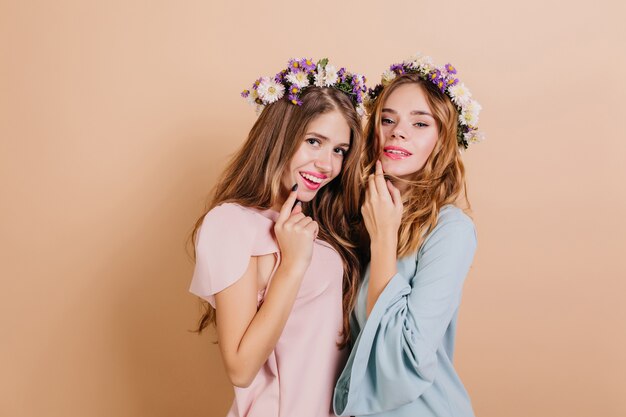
[[245, 93], [450, 69], [294, 89], [397, 68], [294, 64], [256, 84], [452, 81], [342, 74], [307, 64], [295, 99]]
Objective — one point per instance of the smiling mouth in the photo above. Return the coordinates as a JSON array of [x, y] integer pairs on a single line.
[[393, 152], [312, 182]]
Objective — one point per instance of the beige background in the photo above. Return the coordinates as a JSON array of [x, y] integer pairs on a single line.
[[116, 117]]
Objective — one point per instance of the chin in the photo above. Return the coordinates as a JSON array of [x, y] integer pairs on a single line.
[[306, 196]]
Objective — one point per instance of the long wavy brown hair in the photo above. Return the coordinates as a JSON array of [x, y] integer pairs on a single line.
[[253, 179], [442, 179]]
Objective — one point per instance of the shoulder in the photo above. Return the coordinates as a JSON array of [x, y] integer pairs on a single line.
[[453, 214], [228, 221], [229, 211], [233, 225], [233, 215], [453, 225], [452, 218]]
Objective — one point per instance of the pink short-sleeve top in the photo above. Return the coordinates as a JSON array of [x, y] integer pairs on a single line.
[[298, 378]]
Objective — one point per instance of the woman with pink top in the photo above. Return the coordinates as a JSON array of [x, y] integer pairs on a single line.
[[274, 259]]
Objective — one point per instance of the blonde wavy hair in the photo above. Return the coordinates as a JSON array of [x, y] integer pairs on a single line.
[[442, 179]]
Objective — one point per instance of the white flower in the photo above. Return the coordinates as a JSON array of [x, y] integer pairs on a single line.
[[299, 78], [413, 60], [360, 109], [425, 63], [270, 91], [259, 109], [469, 113], [331, 76], [467, 118], [474, 136], [460, 94], [473, 106], [387, 77], [319, 76], [252, 97]]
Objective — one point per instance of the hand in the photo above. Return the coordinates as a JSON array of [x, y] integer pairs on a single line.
[[382, 209], [295, 233]]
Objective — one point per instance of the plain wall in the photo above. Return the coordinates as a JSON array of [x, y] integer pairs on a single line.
[[117, 116]]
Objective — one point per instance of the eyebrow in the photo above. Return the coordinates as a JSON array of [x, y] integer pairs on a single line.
[[414, 112], [319, 135]]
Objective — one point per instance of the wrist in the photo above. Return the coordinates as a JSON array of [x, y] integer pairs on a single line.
[[293, 267], [384, 243]]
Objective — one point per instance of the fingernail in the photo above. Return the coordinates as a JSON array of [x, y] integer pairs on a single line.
[[298, 203], [295, 187]]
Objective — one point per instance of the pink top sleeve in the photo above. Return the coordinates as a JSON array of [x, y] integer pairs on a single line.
[[228, 237]]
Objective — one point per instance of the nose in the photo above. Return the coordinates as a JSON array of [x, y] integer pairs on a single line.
[[323, 161], [398, 133]]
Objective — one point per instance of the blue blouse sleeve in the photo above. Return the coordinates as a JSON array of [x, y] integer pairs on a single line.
[[394, 358]]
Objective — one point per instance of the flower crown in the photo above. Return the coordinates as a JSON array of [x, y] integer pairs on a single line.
[[303, 73], [445, 79]]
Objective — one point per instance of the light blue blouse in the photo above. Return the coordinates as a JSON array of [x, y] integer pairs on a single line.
[[401, 361]]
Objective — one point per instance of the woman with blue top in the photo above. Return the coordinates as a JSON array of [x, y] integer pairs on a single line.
[[419, 246]]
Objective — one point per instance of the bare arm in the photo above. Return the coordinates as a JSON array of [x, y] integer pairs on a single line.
[[382, 214], [247, 336]]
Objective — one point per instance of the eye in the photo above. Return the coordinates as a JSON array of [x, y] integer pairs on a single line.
[[341, 151], [313, 141], [420, 124], [386, 121]]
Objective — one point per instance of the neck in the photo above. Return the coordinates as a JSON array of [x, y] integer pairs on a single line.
[[401, 186]]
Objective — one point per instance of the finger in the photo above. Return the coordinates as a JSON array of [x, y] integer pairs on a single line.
[[285, 210], [294, 219], [371, 188], [304, 222], [378, 169], [395, 193], [297, 208], [313, 228], [379, 179]]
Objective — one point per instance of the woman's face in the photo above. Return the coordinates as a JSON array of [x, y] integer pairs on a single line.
[[320, 155], [409, 131]]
